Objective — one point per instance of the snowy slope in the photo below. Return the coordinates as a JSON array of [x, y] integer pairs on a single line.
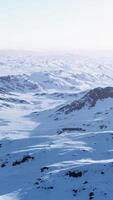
[[61, 72], [56, 130], [18, 83]]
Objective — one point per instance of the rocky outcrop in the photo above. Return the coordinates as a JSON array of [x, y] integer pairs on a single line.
[[90, 99]]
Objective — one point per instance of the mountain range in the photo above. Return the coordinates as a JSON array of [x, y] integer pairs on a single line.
[[56, 130]]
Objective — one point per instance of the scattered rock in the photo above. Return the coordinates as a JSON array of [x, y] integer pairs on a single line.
[[74, 174], [102, 126], [3, 165], [48, 188], [70, 130], [85, 182], [91, 195], [44, 169], [75, 192], [24, 159]]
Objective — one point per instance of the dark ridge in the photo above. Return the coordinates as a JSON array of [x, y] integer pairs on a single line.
[[23, 160], [90, 99], [70, 130]]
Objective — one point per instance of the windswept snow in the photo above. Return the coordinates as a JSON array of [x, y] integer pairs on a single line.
[[56, 130]]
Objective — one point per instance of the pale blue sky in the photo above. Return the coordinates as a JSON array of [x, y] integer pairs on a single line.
[[56, 24]]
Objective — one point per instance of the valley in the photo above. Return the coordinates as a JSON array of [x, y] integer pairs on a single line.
[[56, 127]]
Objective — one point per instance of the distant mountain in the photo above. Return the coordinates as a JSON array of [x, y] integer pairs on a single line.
[[18, 83], [59, 72]]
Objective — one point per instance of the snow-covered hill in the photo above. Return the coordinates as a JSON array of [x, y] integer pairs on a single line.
[[18, 83], [56, 130], [59, 72]]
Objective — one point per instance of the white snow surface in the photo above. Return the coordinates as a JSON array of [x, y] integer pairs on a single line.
[[49, 155]]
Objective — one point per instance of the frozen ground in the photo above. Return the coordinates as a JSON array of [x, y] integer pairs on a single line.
[[51, 148]]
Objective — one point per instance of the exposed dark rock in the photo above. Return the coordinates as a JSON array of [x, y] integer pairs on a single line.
[[36, 183], [48, 188], [56, 119], [85, 182], [70, 130], [90, 99], [91, 195], [98, 113], [74, 174], [103, 126], [24, 159], [75, 190], [44, 168], [3, 165]]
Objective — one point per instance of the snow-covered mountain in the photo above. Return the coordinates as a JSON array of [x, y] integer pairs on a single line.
[[59, 71], [18, 83], [56, 130]]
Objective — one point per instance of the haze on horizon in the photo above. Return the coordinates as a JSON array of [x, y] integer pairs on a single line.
[[56, 24]]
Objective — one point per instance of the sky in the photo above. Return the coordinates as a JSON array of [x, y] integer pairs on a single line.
[[56, 24]]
